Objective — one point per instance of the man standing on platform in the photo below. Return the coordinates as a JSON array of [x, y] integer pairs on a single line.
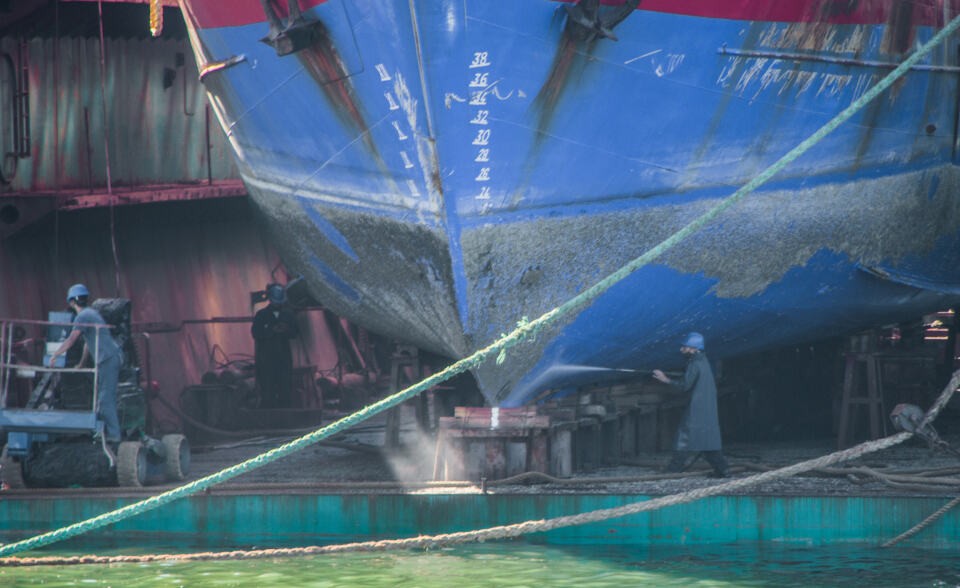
[[97, 341]]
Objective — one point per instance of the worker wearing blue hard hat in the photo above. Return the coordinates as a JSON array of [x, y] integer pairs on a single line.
[[77, 291], [699, 429], [273, 328], [97, 340], [694, 340], [276, 294]]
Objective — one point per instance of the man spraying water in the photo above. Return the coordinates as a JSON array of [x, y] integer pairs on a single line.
[[699, 429]]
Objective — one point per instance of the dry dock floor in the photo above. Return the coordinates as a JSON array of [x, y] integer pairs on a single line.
[[354, 462], [911, 468]]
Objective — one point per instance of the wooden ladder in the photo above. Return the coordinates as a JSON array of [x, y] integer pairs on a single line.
[[862, 387]]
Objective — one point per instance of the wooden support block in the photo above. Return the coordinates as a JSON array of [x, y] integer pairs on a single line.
[[392, 428], [474, 457], [538, 455], [561, 452], [439, 455], [609, 450], [516, 456], [586, 442], [625, 401], [495, 466], [536, 422], [487, 418], [482, 412], [597, 410], [493, 444], [560, 414], [426, 410], [488, 434], [453, 466], [646, 431], [667, 422], [628, 433]]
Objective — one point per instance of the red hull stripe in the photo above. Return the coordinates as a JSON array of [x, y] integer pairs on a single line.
[[212, 14]]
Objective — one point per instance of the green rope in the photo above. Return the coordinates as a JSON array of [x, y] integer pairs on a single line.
[[524, 330]]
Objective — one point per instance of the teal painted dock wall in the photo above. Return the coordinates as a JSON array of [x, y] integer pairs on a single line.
[[228, 521]]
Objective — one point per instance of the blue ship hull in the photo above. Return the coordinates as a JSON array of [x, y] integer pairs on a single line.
[[439, 170]]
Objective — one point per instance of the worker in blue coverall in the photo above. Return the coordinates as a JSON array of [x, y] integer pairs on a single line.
[[272, 329], [699, 430], [108, 357]]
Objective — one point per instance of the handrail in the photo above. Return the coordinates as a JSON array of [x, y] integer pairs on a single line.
[[8, 365]]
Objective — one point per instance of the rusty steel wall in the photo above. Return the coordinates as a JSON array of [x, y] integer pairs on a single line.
[[178, 262], [188, 267], [153, 134]]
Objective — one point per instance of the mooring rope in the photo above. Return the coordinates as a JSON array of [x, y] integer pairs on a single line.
[[481, 535], [525, 328], [923, 524], [928, 419], [516, 529]]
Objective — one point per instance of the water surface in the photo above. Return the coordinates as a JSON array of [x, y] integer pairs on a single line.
[[522, 565]]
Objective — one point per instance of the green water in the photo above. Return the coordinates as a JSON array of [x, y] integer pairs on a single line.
[[525, 565]]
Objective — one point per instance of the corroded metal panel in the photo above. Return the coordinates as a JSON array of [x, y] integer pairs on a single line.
[[181, 264], [145, 115]]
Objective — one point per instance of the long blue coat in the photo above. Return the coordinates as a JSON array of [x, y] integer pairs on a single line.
[[699, 429]]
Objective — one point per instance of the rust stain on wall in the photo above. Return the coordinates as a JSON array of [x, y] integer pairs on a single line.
[[586, 23], [177, 262]]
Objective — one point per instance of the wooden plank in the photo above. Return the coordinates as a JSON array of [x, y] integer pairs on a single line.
[[487, 433], [537, 422], [504, 422], [485, 412], [562, 414]]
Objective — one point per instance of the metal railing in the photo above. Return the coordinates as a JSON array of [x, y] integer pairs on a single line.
[[17, 359]]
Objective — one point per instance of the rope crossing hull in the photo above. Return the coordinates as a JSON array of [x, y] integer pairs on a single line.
[[439, 170], [525, 330]]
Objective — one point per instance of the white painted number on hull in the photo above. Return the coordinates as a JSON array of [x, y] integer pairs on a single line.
[[405, 114]]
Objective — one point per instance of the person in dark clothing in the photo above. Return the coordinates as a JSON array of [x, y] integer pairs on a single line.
[[273, 327], [699, 430]]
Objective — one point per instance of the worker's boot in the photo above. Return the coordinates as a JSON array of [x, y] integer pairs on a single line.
[[678, 463], [719, 464]]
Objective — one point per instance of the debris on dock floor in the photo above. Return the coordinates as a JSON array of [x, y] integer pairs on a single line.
[[908, 469]]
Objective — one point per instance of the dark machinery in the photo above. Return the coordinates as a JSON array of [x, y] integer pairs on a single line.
[[909, 417], [54, 437]]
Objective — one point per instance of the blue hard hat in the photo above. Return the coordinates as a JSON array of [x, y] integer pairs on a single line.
[[76, 291], [694, 340], [276, 294]]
